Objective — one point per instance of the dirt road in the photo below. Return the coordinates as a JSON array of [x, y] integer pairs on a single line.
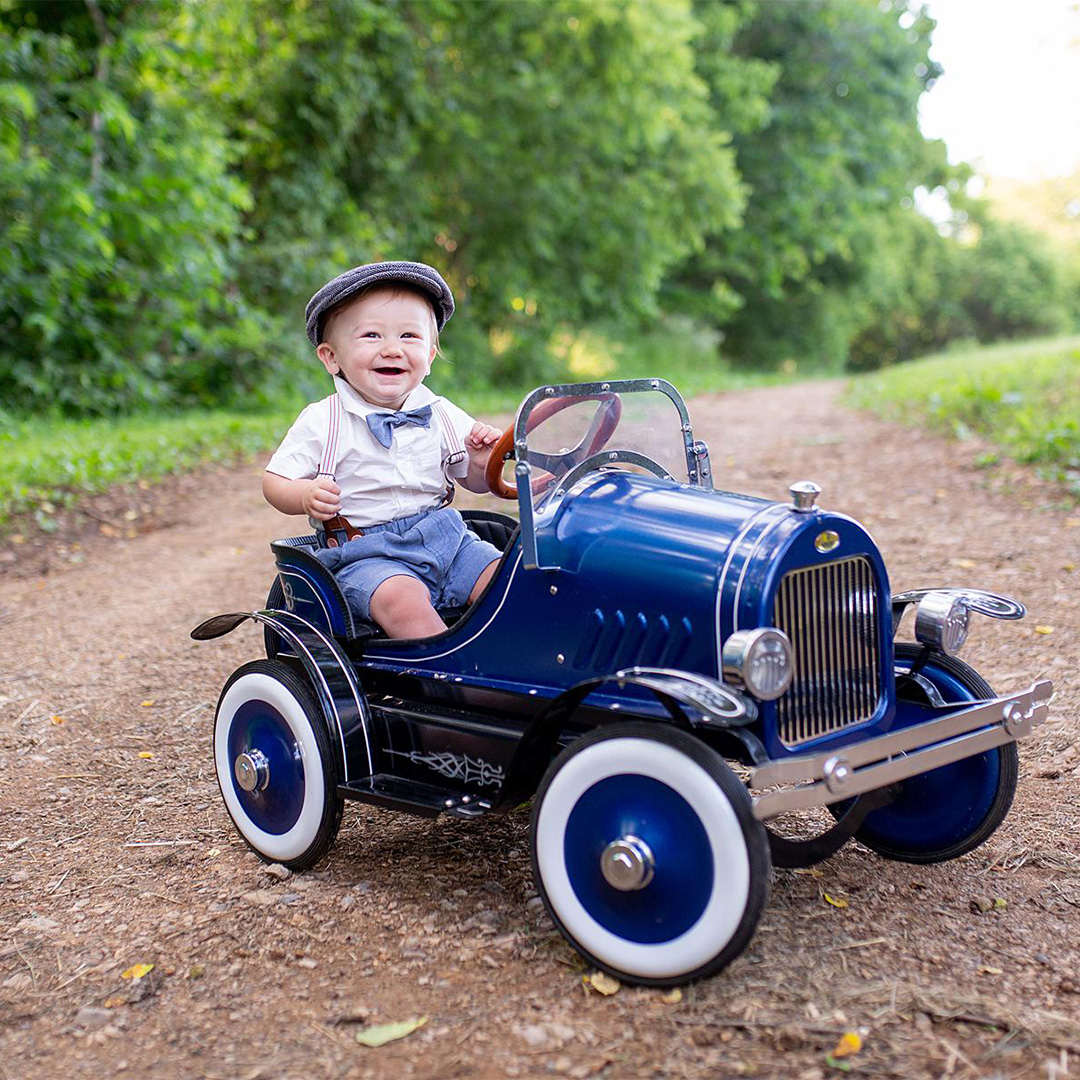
[[115, 849]]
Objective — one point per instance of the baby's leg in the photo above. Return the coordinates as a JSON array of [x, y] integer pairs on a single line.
[[482, 581], [401, 605]]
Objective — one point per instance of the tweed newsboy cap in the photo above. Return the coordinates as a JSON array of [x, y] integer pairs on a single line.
[[420, 276]]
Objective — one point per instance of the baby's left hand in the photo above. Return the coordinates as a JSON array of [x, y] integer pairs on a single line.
[[479, 442]]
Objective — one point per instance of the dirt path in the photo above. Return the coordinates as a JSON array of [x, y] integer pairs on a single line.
[[115, 849]]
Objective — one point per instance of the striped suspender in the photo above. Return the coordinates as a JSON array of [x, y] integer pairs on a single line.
[[453, 448], [328, 465]]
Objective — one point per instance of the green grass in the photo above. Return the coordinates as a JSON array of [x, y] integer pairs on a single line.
[[1023, 397], [45, 464]]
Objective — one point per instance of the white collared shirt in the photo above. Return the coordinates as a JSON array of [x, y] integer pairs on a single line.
[[377, 483]]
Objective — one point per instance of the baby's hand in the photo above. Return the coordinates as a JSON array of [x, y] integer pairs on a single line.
[[479, 442], [320, 499]]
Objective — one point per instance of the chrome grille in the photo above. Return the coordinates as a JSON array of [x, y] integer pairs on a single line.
[[830, 613]]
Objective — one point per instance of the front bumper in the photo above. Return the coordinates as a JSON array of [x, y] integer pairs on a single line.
[[820, 779]]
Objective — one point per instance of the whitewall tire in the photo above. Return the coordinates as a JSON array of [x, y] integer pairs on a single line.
[[647, 854], [276, 767]]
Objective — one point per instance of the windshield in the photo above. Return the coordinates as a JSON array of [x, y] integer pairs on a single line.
[[613, 424], [563, 433]]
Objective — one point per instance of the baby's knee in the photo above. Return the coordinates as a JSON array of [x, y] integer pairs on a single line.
[[398, 596]]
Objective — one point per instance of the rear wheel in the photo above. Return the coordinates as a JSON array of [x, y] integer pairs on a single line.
[[276, 766], [947, 812], [647, 854]]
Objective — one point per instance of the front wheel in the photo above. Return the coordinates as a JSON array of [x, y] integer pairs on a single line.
[[276, 767], [647, 854], [947, 812]]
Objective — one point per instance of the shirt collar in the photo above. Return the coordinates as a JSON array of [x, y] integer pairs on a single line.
[[356, 405]]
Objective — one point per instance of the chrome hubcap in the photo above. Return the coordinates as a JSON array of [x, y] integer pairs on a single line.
[[252, 770], [627, 864]]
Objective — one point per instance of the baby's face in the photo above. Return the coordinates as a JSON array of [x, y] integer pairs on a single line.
[[382, 343]]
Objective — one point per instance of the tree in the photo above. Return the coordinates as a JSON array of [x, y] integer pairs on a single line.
[[837, 152], [120, 213]]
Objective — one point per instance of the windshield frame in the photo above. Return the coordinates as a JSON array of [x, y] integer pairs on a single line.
[[698, 472]]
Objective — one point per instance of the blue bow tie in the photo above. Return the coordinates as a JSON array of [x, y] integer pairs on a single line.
[[382, 424]]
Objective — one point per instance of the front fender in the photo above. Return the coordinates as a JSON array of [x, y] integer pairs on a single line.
[[717, 707], [331, 674]]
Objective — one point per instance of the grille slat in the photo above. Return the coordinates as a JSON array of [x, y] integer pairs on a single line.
[[830, 613]]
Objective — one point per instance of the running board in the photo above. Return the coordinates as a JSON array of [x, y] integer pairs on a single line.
[[424, 800]]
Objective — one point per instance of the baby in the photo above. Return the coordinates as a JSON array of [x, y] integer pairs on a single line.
[[375, 463]]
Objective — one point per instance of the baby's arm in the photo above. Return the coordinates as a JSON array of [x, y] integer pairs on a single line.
[[317, 498], [478, 443]]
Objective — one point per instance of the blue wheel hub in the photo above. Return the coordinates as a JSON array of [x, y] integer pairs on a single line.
[[942, 807], [259, 726], [683, 878], [939, 808]]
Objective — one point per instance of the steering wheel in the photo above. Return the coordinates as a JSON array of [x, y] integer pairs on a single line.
[[603, 425]]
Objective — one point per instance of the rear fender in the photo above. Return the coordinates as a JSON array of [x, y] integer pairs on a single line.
[[332, 677]]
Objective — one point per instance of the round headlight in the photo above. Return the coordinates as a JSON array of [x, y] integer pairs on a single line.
[[759, 660], [941, 620]]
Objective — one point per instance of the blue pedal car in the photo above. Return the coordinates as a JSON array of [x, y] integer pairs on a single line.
[[663, 668]]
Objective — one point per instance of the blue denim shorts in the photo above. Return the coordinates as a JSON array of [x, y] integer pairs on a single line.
[[435, 547]]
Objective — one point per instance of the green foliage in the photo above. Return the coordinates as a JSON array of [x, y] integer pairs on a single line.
[[121, 219], [834, 155], [553, 160], [178, 178], [1015, 287], [1023, 397]]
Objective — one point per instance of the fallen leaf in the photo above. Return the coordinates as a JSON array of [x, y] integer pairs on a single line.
[[114, 1002], [56, 719], [1069, 567], [850, 1043], [602, 983], [672, 997], [381, 1034], [985, 969], [137, 971], [964, 564], [145, 754], [1044, 629], [145, 704], [197, 971], [1000, 903], [839, 902]]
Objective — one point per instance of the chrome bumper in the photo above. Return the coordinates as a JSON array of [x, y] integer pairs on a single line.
[[830, 777]]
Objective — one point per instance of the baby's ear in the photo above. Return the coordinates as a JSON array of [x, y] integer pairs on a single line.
[[325, 352]]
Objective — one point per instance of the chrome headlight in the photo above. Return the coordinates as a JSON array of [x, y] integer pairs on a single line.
[[941, 620], [759, 660]]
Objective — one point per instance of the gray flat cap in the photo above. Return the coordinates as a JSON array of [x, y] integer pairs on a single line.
[[420, 276]]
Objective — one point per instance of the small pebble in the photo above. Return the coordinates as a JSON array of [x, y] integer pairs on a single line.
[[92, 1016], [276, 870]]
